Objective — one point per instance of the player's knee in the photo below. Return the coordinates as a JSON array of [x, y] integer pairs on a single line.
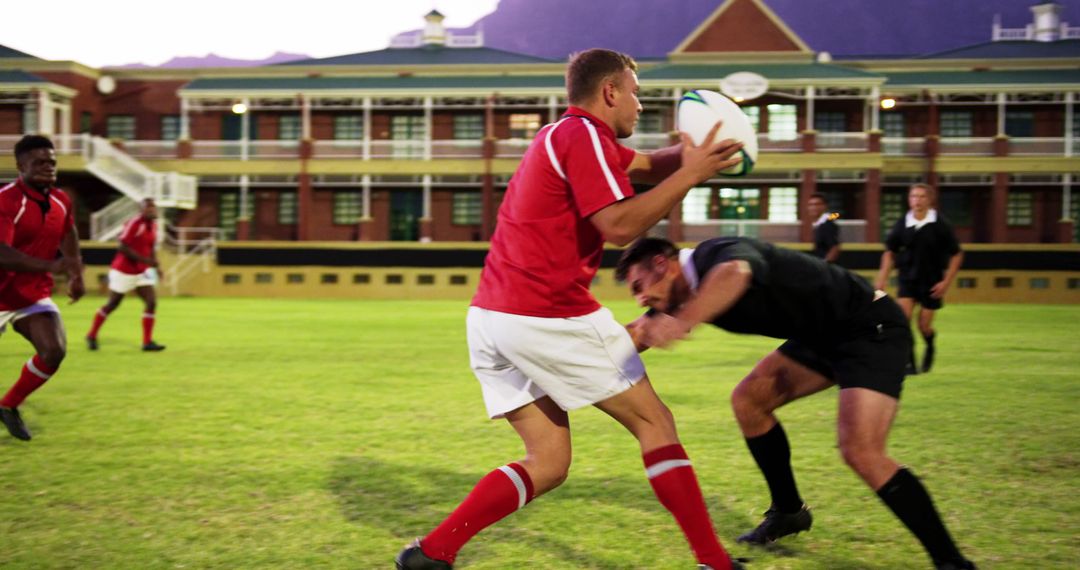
[[151, 306], [744, 402], [549, 471], [52, 355], [860, 457]]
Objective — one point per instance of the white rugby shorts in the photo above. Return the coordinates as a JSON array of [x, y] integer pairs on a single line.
[[45, 305], [120, 282], [576, 361]]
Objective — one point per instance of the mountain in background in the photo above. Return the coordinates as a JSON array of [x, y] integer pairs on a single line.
[[214, 60]]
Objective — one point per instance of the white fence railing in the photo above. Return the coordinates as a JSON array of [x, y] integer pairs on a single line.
[[107, 222], [784, 143], [1037, 146], [967, 146], [195, 248], [903, 146], [457, 149], [842, 142], [647, 141], [150, 149], [851, 231], [511, 148]]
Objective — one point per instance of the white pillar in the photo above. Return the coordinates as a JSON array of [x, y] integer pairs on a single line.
[[44, 112], [245, 182], [875, 109], [65, 128], [426, 215], [305, 117], [245, 123], [553, 108], [428, 126], [1070, 136], [185, 119], [1001, 114], [366, 147], [810, 92], [365, 200]]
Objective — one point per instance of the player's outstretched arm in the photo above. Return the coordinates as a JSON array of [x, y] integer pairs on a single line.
[[721, 288], [624, 221], [653, 167], [637, 332]]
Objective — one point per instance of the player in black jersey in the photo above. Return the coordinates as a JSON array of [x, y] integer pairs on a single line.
[[924, 248], [838, 331], [826, 232]]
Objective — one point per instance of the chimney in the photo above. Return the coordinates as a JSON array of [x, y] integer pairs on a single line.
[[1047, 16], [435, 31]]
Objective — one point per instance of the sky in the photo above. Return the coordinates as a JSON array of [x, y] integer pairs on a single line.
[[116, 32]]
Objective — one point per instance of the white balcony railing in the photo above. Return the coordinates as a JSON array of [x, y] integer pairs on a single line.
[[779, 143], [402, 150], [274, 148], [1037, 146], [457, 149], [338, 149], [150, 149], [647, 141], [967, 146], [511, 148], [903, 146], [71, 144], [216, 149], [842, 142]]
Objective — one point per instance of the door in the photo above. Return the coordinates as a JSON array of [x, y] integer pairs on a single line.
[[406, 207]]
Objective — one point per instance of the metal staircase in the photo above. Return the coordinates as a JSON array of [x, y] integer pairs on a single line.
[[135, 181]]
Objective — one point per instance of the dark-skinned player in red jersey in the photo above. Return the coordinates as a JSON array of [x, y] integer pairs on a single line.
[[36, 222], [838, 331]]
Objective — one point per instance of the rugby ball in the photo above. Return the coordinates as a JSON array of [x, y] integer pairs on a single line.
[[700, 109]]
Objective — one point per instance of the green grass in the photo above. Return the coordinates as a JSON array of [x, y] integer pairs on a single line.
[[325, 434]]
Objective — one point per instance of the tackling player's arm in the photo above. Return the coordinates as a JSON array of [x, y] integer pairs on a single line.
[[624, 221], [69, 248], [721, 288]]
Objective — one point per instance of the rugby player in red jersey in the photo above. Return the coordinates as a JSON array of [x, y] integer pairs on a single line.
[[539, 343], [36, 222], [135, 267]]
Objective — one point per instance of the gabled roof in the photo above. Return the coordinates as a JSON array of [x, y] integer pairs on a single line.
[[19, 76], [426, 55], [985, 78], [726, 30], [383, 83], [1012, 49], [6, 52]]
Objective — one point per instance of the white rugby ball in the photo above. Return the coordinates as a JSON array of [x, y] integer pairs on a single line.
[[700, 109]]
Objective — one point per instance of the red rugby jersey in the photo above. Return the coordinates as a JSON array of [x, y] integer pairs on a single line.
[[545, 251], [35, 231], [140, 235]]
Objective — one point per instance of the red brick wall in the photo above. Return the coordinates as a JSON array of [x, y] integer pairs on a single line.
[[264, 221], [206, 125], [742, 27], [86, 100], [11, 119], [148, 101]]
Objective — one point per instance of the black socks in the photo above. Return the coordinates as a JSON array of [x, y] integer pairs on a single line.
[[773, 456]]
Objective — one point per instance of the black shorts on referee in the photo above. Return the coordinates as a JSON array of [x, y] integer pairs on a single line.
[[871, 353], [919, 292]]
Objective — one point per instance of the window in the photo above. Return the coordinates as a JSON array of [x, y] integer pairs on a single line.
[[956, 124], [783, 122], [120, 127], [466, 208], [892, 125], [348, 127], [346, 207], [30, 119], [294, 278], [86, 122], [328, 279], [231, 279], [754, 114], [1018, 210], [956, 205], [286, 211], [1039, 283], [425, 279], [650, 122], [459, 280], [524, 125], [966, 283], [1073, 283], [408, 128], [468, 127], [170, 127], [1003, 282], [892, 208], [831, 122], [783, 204], [395, 279], [695, 206], [289, 127], [229, 211], [361, 278], [1020, 123], [264, 278], [740, 203]]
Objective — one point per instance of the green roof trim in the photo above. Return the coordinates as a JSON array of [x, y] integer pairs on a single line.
[[1020, 77], [677, 71], [19, 76], [433, 83]]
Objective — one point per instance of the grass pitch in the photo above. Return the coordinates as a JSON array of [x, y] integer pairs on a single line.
[[325, 434]]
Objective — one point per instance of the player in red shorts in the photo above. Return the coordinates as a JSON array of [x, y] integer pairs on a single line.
[[36, 221], [540, 344], [135, 267]]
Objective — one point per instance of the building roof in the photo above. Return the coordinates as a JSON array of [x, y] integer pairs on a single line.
[[1012, 49], [426, 55], [396, 83], [6, 52], [19, 76], [845, 28], [982, 78], [769, 71]]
